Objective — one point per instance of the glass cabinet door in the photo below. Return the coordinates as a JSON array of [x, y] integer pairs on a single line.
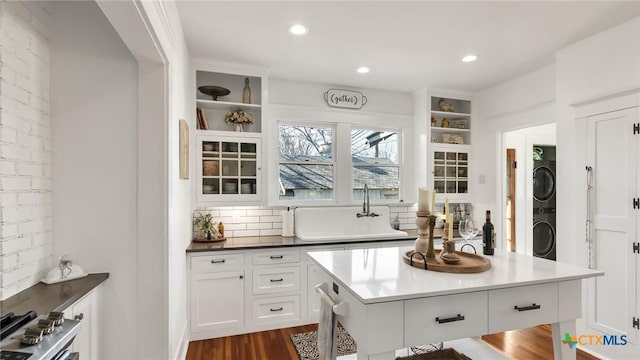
[[450, 172], [228, 169]]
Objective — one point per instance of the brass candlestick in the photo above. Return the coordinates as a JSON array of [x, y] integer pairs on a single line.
[[424, 243]]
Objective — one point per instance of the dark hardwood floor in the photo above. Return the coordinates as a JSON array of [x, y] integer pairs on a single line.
[[533, 343]]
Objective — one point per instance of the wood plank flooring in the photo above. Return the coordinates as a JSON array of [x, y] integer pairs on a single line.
[[533, 343]]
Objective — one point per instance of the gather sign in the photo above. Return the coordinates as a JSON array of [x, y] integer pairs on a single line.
[[348, 99]]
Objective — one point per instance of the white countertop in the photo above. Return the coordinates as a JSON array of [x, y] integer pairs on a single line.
[[380, 275]]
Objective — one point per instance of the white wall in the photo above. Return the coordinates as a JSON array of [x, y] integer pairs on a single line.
[[600, 66], [94, 146], [304, 102], [26, 243], [522, 141], [519, 103]]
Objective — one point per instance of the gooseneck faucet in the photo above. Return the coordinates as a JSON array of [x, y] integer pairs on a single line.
[[365, 205]]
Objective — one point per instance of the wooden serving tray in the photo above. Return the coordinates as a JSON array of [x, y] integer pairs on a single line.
[[209, 241], [469, 263]]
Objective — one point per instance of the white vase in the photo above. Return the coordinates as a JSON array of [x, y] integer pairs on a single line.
[[237, 127]]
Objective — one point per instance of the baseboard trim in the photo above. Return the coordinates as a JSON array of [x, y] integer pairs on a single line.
[[181, 352]]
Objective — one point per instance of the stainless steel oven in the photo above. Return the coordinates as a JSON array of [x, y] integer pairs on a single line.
[[33, 337]]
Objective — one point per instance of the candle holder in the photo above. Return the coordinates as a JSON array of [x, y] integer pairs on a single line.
[[424, 243], [448, 253]]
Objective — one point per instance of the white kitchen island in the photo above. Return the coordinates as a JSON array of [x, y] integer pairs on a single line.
[[391, 305]]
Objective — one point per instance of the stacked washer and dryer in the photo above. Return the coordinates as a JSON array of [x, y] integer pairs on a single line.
[[544, 202]]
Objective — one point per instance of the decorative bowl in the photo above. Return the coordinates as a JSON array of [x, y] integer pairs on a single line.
[[214, 91]]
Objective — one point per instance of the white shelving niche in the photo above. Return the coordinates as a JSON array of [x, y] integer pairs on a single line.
[[450, 147]]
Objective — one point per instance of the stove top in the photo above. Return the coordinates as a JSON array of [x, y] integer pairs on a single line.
[[34, 337]]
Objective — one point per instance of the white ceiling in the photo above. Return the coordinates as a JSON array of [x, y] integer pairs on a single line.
[[407, 45]]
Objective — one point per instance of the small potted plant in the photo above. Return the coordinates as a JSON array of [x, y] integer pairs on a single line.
[[206, 225]]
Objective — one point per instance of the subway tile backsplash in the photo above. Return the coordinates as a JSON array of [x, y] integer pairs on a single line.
[[266, 221]]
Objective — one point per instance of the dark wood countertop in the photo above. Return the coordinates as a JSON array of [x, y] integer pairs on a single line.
[[44, 298]]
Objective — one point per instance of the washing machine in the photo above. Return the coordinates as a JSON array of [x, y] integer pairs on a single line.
[[544, 185], [544, 235]]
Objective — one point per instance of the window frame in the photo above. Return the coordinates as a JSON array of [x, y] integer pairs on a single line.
[[398, 164], [333, 162], [342, 163]]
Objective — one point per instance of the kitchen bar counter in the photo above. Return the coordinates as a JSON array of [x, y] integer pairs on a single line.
[[44, 298]]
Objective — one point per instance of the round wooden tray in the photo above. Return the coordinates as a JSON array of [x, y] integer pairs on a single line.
[[469, 263], [209, 241]]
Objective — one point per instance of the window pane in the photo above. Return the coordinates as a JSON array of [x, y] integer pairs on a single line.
[[374, 146], [306, 182], [303, 143], [383, 182]]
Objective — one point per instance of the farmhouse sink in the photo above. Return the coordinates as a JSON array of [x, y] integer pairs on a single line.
[[343, 223]]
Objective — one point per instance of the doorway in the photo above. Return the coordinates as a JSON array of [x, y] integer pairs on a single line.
[[517, 184]]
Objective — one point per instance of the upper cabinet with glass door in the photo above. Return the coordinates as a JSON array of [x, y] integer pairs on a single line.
[[228, 102], [450, 131]]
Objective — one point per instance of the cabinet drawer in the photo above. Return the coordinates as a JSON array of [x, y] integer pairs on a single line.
[[276, 280], [221, 262], [448, 317], [273, 310], [522, 307], [276, 257]]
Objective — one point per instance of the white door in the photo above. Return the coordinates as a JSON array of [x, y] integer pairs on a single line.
[[613, 155], [217, 301]]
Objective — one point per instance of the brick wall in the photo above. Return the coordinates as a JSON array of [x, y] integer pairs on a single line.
[[25, 145]]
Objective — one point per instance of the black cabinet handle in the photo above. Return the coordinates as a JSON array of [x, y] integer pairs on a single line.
[[218, 261], [277, 280], [79, 317], [451, 319], [526, 308], [278, 309], [241, 277], [276, 256]]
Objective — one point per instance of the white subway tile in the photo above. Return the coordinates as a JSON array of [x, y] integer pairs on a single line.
[[8, 135], [259, 226], [249, 219], [235, 227], [277, 225], [270, 219], [259, 212], [14, 245], [272, 232], [7, 167], [408, 226], [242, 233]]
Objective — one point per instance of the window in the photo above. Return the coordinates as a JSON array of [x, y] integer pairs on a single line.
[[306, 162], [374, 162]]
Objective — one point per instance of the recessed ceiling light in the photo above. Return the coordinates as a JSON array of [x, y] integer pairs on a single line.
[[298, 29], [469, 58], [363, 70]]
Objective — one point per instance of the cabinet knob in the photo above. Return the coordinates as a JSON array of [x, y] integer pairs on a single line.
[[79, 317], [241, 276]]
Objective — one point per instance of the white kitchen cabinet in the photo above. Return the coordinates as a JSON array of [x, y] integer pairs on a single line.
[[217, 301], [228, 169], [614, 154], [449, 151], [88, 311]]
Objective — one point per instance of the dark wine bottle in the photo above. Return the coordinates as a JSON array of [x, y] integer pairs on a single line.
[[488, 236]]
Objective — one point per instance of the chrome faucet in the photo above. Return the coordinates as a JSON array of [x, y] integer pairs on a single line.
[[365, 205]]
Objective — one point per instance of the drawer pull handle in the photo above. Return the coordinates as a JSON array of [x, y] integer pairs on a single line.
[[277, 280], [218, 261], [526, 308], [79, 317], [278, 309], [451, 319], [276, 256]]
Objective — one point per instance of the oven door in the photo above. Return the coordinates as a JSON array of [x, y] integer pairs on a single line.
[[66, 355]]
